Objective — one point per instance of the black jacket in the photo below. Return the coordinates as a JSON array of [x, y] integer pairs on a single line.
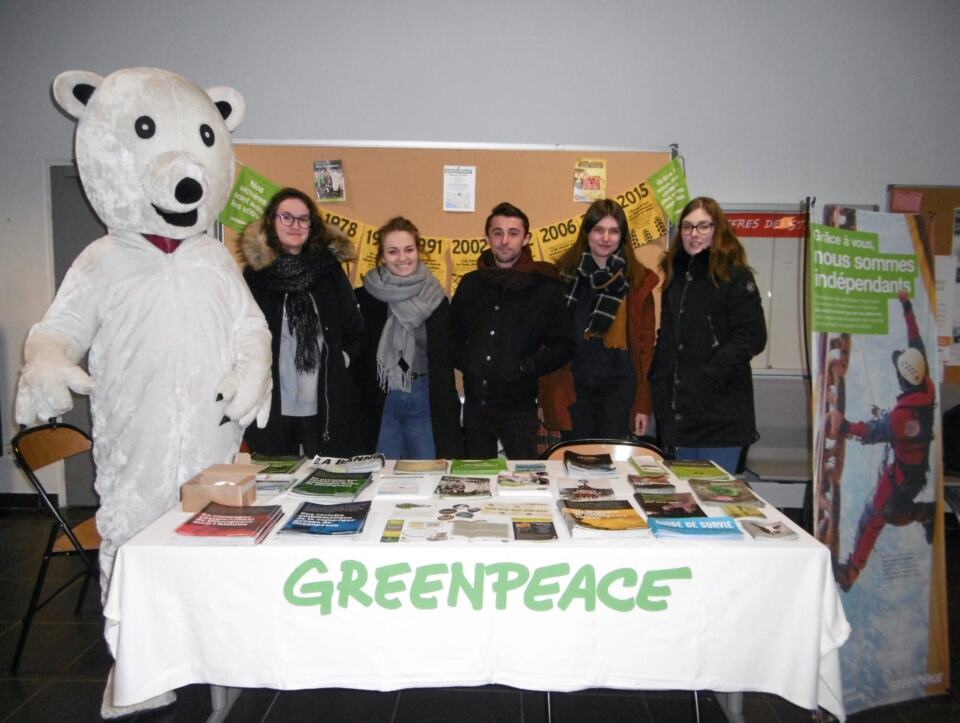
[[700, 378], [444, 400], [505, 338], [343, 331]]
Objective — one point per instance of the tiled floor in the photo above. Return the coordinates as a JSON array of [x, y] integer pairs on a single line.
[[65, 664]]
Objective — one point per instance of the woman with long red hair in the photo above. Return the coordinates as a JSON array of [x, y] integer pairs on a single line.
[[711, 326]]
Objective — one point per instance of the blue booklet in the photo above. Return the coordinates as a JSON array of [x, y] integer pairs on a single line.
[[346, 518], [711, 528]]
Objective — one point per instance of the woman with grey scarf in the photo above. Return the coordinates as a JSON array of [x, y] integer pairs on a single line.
[[411, 404]]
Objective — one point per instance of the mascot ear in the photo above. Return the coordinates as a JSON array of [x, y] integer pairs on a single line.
[[72, 90], [230, 104]]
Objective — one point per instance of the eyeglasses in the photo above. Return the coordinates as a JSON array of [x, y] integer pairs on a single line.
[[704, 227], [287, 220]]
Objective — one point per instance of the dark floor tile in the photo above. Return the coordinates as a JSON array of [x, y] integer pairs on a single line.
[[193, 704], [677, 706], [333, 705], [62, 701], [459, 705], [606, 706], [15, 596], [92, 664], [787, 712], [51, 648], [15, 693]]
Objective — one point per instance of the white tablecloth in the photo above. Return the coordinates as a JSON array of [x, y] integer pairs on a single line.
[[729, 616]]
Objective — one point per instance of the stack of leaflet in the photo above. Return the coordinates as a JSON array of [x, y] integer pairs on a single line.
[[589, 465], [339, 519], [703, 528], [336, 487], [344, 465], [218, 524], [602, 518]]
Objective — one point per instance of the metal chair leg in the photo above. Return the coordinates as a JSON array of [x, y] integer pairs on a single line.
[[31, 608]]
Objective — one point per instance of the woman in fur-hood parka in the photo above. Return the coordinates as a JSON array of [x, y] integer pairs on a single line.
[[294, 273]]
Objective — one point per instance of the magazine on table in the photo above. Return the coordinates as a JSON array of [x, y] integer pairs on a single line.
[[602, 518], [707, 528], [343, 486], [342, 465], [346, 518], [700, 469], [589, 465], [523, 483], [463, 487], [670, 504], [218, 524], [768, 530], [420, 466], [584, 489], [474, 467], [725, 492]]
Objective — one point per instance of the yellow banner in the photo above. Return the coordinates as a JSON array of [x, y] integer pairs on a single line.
[[450, 259]]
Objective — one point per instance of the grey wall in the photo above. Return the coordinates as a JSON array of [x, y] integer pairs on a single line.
[[769, 100]]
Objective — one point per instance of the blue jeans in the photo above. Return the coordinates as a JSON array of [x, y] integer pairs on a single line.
[[726, 457], [405, 428]]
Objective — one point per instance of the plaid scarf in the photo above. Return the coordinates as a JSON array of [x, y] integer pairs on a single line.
[[608, 283]]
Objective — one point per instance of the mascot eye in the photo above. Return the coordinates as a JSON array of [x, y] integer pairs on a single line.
[[145, 126], [206, 134]]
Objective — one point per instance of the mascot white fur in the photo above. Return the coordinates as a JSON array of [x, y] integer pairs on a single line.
[[176, 342]]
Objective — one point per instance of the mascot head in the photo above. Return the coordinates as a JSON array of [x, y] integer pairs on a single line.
[[152, 148]]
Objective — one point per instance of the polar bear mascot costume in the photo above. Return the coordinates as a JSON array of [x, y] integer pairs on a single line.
[[179, 352]]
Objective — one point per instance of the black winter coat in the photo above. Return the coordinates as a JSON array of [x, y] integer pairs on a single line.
[[343, 331], [506, 338], [700, 378], [444, 400]]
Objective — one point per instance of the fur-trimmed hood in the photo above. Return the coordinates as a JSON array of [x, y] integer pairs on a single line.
[[258, 255]]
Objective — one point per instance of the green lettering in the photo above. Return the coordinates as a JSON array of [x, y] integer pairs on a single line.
[[538, 588], [422, 589], [510, 576], [582, 585], [649, 588], [298, 592], [473, 591], [353, 576], [386, 586], [628, 578]]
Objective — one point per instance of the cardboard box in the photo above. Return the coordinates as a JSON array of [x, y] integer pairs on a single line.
[[227, 484]]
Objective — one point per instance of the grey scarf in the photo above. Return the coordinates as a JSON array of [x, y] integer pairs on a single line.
[[410, 301]]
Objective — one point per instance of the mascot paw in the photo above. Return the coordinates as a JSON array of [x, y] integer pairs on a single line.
[[43, 391], [247, 398]]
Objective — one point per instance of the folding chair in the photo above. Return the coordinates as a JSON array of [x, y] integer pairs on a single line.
[[619, 450], [34, 449]]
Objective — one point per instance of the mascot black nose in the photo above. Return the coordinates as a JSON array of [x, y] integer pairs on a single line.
[[188, 191]]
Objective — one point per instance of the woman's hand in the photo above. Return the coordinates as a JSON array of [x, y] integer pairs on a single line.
[[641, 423]]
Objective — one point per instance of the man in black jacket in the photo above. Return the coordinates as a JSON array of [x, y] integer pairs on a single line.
[[510, 325]]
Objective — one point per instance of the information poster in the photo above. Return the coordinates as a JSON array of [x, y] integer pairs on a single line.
[[329, 181], [876, 428], [589, 180], [460, 189], [670, 187], [250, 195]]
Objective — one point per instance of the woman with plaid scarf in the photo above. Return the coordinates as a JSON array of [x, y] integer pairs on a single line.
[[604, 392]]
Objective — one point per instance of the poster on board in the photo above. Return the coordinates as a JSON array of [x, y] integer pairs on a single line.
[[875, 419]]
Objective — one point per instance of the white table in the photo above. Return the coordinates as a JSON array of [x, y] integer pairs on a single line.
[[728, 617]]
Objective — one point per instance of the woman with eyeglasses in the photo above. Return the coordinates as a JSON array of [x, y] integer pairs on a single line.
[[411, 407], [711, 326], [609, 294], [293, 270]]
